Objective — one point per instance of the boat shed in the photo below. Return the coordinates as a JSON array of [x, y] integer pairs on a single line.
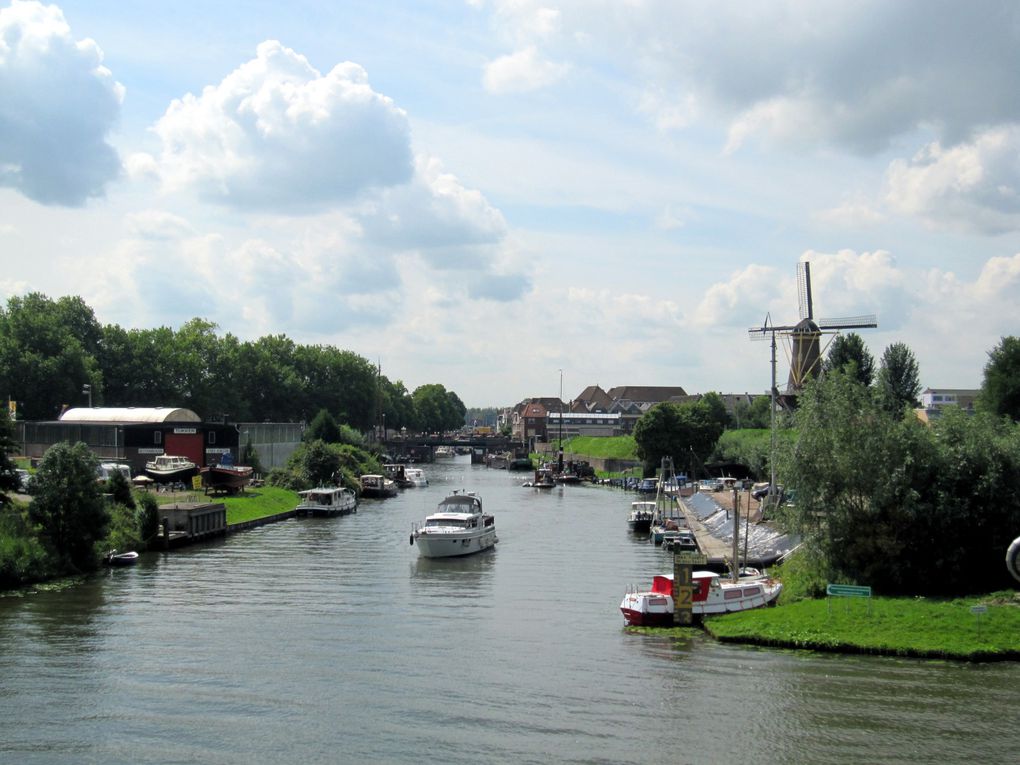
[[134, 435]]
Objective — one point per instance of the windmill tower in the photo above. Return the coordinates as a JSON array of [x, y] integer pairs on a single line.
[[805, 348], [805, 337]]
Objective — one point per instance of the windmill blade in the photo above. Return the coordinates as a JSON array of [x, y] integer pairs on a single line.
[[850, 322], [804, 290]]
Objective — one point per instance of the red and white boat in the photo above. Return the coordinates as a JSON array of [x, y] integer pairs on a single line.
[[712, 595]]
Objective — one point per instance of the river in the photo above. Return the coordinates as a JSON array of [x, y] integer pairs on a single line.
[[328, 640]]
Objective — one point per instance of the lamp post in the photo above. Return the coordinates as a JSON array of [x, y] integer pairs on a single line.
[[560, 468], [87, 389]]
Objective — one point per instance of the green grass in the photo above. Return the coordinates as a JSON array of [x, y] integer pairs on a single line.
[[249, 506], [606, 447], [895, 626]]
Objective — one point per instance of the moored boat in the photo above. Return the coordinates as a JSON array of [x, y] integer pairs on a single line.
[[114, 558], [543, 479], [168, 468], [712, 595], [377, 486], [458, 527], [641, 515], [328, 501], [415, 477]]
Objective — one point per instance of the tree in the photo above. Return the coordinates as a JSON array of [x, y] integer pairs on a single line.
[[438, 409], [323, 427], [849, 351], [676, 430], [717, 408], [1000, 389], [67, 505], [44, 353], [898, 384], [9, 480], [886, 501], [120, 490], [757, 414]]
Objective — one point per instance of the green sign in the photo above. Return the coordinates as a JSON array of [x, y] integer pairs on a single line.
[[848, 591], [688, 558]]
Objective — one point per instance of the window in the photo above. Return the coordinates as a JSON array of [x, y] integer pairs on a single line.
[[157, 437]]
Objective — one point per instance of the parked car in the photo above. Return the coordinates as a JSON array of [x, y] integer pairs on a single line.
[[710, 484]]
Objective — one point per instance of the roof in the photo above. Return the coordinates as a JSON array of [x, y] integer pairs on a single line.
[[131, 414], [646, 393]]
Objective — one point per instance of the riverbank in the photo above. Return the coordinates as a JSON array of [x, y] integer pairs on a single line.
[[978, 629]]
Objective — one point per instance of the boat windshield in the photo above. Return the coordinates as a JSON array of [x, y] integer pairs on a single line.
[[459, 523]]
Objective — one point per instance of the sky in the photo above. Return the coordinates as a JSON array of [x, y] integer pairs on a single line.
[[516, 198]]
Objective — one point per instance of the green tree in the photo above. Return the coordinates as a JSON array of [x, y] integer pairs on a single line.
[[67, 505], [757, 414], [323, 427], [676, 430], [849, 351], [147, 518], [886, 501], [438, 409], [9, 481], [45, 354], [120, 490], [1000, 389], [717, 409], [898, 384]]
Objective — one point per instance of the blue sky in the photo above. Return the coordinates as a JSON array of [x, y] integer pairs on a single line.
[[482, 194]]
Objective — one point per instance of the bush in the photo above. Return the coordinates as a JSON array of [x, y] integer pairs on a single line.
[[23, 558], [147, 518], [124, 534]]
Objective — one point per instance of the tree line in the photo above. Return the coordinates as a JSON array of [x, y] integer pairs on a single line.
[[50, 350]]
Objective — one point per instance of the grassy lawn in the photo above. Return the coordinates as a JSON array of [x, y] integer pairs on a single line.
[[895, 626], [249, 506], [610, 447]]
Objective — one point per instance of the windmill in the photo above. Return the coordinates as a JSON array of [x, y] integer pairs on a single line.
[[805, 348]]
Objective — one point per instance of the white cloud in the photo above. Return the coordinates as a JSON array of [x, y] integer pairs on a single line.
[[973, 186], [522, 71], [435, 215], [277, 134], [853, 213], [57, 107]]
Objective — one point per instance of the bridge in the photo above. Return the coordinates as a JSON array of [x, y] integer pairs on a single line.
[[399, 442]]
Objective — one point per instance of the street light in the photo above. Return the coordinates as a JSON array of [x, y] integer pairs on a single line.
[[87, 389]]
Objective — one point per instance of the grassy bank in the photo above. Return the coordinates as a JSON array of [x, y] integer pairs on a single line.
[[249, 506], [919, 627], [609, 447]]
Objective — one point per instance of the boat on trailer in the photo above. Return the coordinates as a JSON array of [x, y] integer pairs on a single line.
[[458, 527]]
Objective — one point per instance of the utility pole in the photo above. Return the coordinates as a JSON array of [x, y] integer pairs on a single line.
[[86, 388]]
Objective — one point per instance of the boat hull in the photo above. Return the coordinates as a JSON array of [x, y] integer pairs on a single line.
[[444, 545], [230, 479]]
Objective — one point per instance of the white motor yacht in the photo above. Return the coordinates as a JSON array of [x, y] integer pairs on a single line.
[[458, 527]]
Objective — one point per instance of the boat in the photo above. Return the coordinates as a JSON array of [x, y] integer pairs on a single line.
[[226, 476], [443, 452], [641, 516], [458, 527], [543, 479], [397, 473], [712, 595], [680, 540], [327, 501], [377, 486], [105, 471], [648, 486], [167, 468], [114, 558], [415, 477]]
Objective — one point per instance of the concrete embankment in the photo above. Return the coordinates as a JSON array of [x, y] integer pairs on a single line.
[[245, 525], [712, 524]]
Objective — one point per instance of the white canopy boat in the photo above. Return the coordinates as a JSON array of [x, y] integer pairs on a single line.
[[459, 527]]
